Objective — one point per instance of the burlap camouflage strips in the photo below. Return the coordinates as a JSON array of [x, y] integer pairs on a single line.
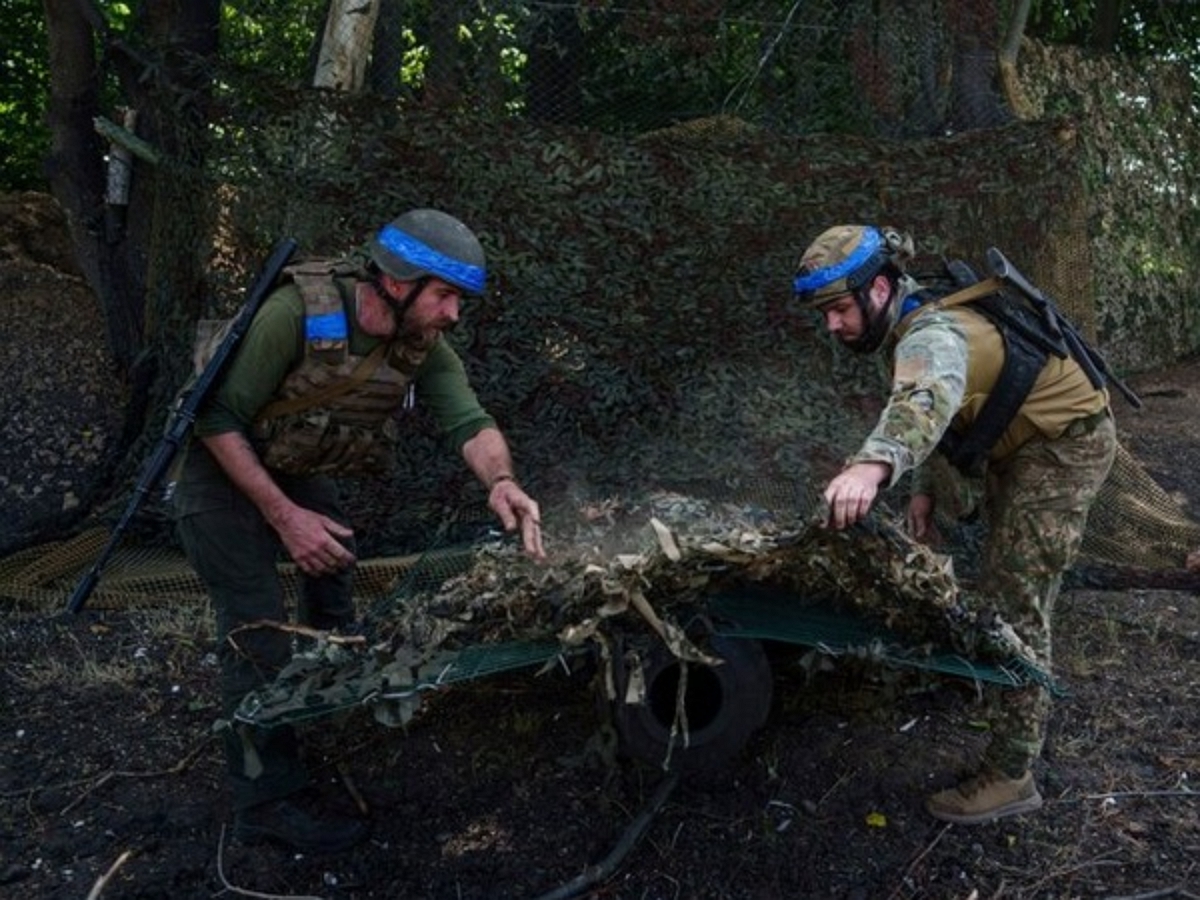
[[642, 566]]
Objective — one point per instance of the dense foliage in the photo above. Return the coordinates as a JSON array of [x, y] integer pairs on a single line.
[[614, 69], [24, 136]]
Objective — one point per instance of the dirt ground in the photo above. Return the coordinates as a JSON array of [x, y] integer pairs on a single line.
[[506, 787]]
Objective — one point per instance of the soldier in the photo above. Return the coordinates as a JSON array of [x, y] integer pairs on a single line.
[[970, 382], [313, 391]]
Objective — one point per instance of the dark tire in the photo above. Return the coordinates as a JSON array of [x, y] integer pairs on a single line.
[[725, 705]]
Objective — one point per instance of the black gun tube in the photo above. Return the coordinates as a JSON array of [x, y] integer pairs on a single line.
[[182, 419], [1088, 358]]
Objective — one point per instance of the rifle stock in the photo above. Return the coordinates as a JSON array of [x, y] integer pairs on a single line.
[[181, 419]]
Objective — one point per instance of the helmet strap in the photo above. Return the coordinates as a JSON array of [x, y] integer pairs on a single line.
[[398, 307], [876, 323]]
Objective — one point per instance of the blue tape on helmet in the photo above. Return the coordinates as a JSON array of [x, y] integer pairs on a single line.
[[329, 326], [814, 281], [464, 275]]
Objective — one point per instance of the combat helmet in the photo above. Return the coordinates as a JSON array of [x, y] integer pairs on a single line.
[[844, 260], [427, 242]]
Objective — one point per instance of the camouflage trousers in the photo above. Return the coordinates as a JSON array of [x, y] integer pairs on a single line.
[[1035, 507]]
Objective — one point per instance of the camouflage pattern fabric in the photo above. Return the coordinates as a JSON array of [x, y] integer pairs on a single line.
[[1036, 508], [1035, 505], [234, 551], [929, 376]]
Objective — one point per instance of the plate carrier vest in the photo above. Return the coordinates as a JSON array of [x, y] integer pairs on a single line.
[[337, 413]]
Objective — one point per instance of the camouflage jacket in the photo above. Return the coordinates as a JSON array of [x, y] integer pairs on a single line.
[[946, 362]]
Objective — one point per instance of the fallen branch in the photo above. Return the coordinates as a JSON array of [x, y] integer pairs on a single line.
[[303, 630], [352, 788], [604, 870], [920, 856], [104, 779], [243, 892], [1184, 792], [1067, 871], [1123, 578], [123, 137], [104, 879]]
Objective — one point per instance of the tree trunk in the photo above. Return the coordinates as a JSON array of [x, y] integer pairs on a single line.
[[1010, 83], [346, 48], [442, 84], [1106, 25], [171, 205], [145, 267], [387, 50], [975, 99], [75, 170]]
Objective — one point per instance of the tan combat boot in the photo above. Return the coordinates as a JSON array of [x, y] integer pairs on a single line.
[[987, 796]]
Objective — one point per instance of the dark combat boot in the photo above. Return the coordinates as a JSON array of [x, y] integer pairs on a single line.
[[285, 822]]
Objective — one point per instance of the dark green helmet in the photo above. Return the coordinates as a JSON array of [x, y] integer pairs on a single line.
[[428, 242]]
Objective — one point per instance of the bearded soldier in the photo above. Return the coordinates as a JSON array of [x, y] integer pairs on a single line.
[[979, 379], [314, 390]]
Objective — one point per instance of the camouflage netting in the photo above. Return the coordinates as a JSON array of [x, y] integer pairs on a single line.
[[637, 332], [640, 330], [633, 570], [1137, 139]]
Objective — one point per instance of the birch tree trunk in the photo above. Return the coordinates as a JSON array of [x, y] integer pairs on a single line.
[[346, 46]]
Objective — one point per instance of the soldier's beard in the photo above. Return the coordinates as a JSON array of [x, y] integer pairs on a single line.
[[878, 324]]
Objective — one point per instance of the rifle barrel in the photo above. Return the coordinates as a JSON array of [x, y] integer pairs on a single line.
[[182, 420]]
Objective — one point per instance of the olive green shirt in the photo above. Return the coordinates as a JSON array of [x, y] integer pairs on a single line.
[[274, 344]]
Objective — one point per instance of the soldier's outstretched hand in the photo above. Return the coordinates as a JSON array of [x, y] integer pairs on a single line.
[[516, 509], [850, 495]]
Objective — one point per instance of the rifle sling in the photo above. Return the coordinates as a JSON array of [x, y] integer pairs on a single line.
[[361, 373]]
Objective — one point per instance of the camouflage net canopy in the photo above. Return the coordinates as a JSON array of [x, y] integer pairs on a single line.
[[642, 223]]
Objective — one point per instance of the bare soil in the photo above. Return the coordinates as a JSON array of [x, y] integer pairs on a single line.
[[506, 787]]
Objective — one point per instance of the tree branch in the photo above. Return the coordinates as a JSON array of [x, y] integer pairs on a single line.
[[125, 138]]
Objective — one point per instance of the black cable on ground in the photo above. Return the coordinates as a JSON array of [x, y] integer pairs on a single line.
[[603, 870]]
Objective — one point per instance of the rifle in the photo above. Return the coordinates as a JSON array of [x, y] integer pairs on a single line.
[[183, 416], [1061, 329]]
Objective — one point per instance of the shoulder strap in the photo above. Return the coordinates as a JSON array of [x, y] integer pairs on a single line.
[[326, 331], [361, 373], [1026, 351], [964, 295], [1023, 363]]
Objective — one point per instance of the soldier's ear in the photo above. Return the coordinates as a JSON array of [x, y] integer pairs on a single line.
[[881, 286]]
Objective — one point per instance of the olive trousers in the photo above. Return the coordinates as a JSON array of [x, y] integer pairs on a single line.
[[236, 554]]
